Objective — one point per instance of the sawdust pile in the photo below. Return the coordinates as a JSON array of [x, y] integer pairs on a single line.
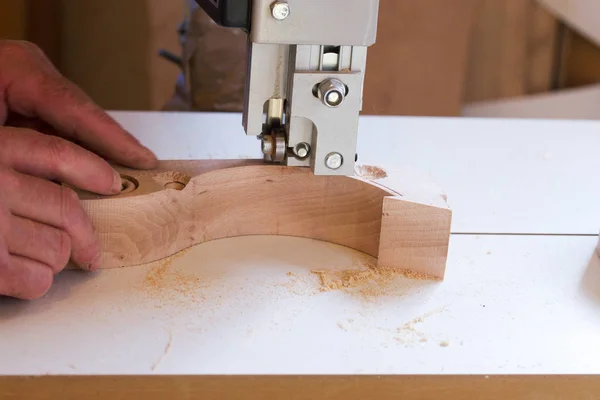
[[299, 284], [367, 279], [164, 283], [370, 172]]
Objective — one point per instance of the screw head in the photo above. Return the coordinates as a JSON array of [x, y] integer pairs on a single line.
[[334, 160], [302, 150], [333, 98], [280, 10], [331, 92]]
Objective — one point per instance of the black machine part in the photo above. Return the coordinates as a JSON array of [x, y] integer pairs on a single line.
[[228, 13]]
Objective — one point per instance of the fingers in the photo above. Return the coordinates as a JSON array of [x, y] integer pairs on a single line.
[[5, 217], [53, 158], [39, 242], [36, 124], [19, 277], [24, 278], [54, 205], [33, 88]]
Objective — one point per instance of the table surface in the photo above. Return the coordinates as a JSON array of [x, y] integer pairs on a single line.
[[522, 293]]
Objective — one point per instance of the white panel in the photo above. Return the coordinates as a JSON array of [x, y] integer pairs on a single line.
[[509, 305], [578, 103]]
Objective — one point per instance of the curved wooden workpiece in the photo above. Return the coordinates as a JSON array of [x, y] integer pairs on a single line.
[[184, 203]]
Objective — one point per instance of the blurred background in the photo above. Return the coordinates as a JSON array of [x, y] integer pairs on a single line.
[[497, 58]]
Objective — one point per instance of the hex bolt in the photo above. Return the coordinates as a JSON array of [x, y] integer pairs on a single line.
[[302, 150], [334, 160], [331, 92], [280, 10]]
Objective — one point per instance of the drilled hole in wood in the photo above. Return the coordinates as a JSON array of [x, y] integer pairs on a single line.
[[129, 184], [175, 185]]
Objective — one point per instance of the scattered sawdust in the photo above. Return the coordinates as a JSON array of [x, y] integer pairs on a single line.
[[165, 352], [342, 326], [489, 252], [168, 285], [444, 343], [370, 172], [364, 278], [408, 332], [299, 284], [416, 275]]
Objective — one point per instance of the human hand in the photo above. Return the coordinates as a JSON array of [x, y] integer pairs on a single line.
[[51, 132]]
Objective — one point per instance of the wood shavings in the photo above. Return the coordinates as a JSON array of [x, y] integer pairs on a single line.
[[407, 333], [444, 343], [416, 275], [370, 172], [168, 285], [298, 284], [165, 352], [366, 279]]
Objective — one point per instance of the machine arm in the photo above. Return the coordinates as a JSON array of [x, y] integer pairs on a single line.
[[305, 76]]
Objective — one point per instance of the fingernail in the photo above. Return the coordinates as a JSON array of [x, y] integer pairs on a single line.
[[150, 157], [117, 183], [95, 263]]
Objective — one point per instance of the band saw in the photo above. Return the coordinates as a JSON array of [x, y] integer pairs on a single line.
[[306, 65]]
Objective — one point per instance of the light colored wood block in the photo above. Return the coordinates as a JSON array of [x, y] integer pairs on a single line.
[[221, 199], [414, 236]]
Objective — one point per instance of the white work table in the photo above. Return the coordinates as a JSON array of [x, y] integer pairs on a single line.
[[521, 294]]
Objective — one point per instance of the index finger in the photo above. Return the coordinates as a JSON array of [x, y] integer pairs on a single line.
[[58, 206], [34, 88]]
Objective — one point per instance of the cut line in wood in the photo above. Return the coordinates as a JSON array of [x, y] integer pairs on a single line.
[[184, 203]]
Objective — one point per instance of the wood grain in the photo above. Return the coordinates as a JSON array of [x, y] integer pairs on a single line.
[[418, 64], [414, 236], [580, 64], [513, 49], [580, 15], [224, 199], [110, 49], [362, 387]]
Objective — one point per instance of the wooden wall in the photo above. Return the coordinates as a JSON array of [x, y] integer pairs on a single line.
[[580, 61], [417, 66], [109, 47], [513, 49], [13, 21], [431, 56]]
